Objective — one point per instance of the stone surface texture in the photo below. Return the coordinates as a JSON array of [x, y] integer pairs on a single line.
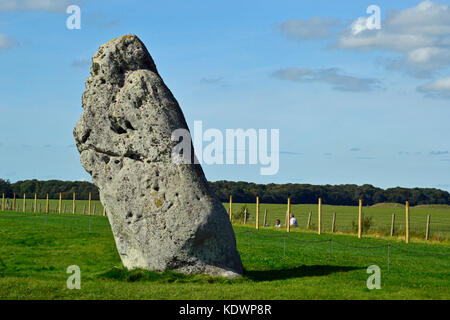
[[162, 214]]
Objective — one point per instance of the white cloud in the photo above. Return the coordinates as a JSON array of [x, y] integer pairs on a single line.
[[6, 41], [421, 35], [35, 5], [439, 88], [211, 80], [438, 153], [422, 55], [81, 63], [332, 76], [375, 39], [426, 18], [314, 28], [359, 25]]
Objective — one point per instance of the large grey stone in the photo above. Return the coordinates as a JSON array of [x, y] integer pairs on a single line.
[[162, 214]]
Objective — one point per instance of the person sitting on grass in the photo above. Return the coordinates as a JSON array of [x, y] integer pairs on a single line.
[[293, 221], [278, 223]]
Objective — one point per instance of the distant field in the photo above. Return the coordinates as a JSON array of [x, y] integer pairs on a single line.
[[345, 215], [36, 250]]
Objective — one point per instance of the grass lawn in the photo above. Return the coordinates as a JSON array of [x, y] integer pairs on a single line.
[[36, 250]]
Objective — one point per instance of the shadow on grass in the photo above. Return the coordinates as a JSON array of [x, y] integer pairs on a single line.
[[296, 272], [122, 274]]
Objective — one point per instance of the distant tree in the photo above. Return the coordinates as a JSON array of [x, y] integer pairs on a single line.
[[245, 192], [5, 188]]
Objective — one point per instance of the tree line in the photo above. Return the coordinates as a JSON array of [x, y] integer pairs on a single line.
[[347, 194], [50, 187]]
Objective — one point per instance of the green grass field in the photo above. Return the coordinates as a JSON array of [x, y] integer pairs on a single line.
[[36, 250]]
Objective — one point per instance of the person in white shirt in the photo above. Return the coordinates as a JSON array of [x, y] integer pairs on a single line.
[[278, 223], [293, 221]]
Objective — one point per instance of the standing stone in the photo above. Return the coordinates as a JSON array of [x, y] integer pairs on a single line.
[[162, 213]]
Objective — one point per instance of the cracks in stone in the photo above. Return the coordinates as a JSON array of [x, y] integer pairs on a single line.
[[133, 155], [128, 217], [116, 126], [120, 125], [139, 217], [177, 263], [85, 136], [129, 154], [98, 150], [106, 159]]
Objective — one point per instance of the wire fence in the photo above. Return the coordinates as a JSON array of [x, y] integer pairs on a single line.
[[331, 241], [438, 228], [32, 205], [343, 220], [379, 223]]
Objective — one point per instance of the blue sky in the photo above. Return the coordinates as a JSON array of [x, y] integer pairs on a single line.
[[352, 105]]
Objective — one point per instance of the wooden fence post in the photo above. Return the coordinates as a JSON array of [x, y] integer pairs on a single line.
[[14, 202], [407, 222], [319, 218], [257, 212], [288, 212], [427, 234], [24, 202], [333, 226], [60, 203], [245, 216], [265, 217], [308, 224], [360, 219], [231, 210], [46, 205], [3, 202], [89, 206], [73, 204], [393, 225], [35, 202]]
